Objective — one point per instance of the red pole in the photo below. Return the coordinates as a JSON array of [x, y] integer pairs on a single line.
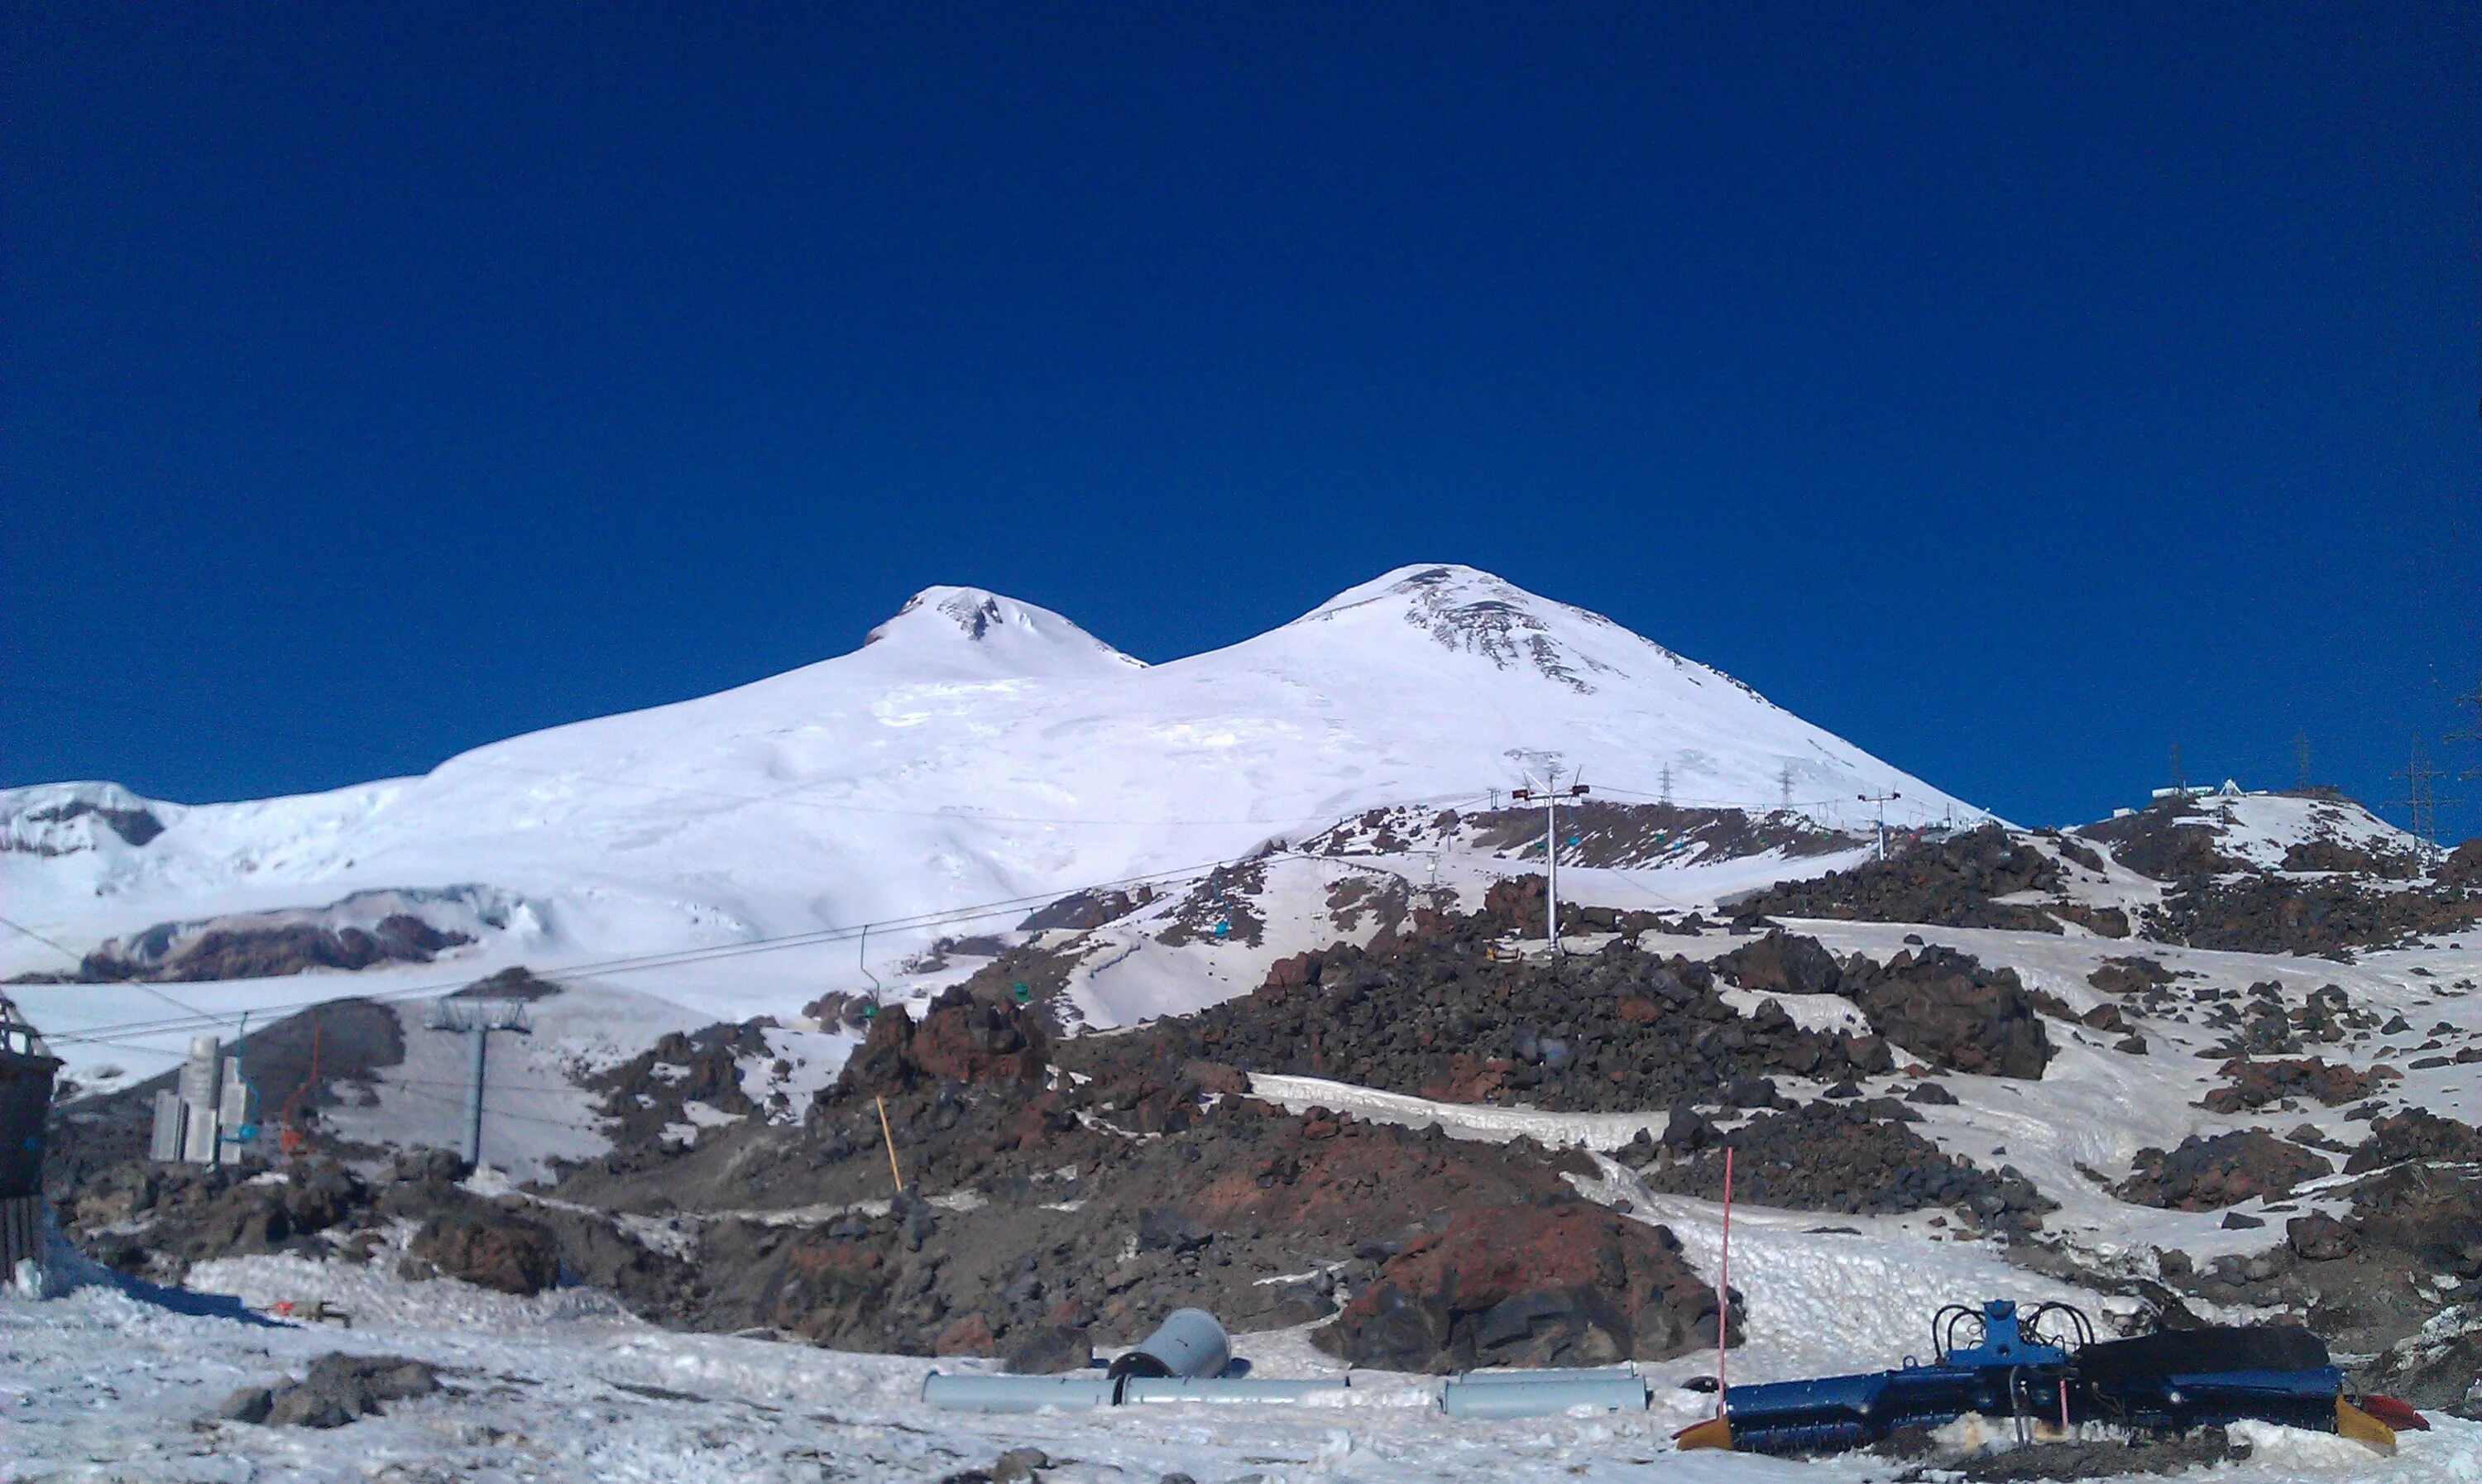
[[1723, 1285]]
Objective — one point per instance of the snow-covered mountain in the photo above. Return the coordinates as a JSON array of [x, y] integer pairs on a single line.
[[974, 749]]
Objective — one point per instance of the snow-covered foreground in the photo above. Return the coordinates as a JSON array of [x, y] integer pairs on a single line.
[[103, 1385]]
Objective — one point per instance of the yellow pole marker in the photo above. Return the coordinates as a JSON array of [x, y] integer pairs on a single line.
[[893, 1172]]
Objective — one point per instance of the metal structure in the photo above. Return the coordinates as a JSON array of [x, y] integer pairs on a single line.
[[204, 1117], [1879, 802], [478, 1019], [2421, 802], [1551, 797], [1183, 1361], [26, 1070], [2044, 1369]]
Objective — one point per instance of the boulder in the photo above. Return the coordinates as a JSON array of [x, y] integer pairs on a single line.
[[1565, 1284], [494, 1250]]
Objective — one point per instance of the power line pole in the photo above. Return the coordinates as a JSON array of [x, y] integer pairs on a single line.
[[2473, 731], [478, 1019], [2179, 779], [2301, 761], [1666, 795], [1551, 797], [1881, 800], [2421, 802], [1784, 788]]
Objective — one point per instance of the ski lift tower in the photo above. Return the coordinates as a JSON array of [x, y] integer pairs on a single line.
[[477, 1019], [26, 1070]]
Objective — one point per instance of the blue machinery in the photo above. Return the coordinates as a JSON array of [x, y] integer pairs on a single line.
[[2171, 1381], [2041, 1370]]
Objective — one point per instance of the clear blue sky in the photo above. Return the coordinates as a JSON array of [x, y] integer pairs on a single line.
[[2012, 390]]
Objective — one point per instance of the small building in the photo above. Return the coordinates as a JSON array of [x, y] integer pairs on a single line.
[[26, 1070]]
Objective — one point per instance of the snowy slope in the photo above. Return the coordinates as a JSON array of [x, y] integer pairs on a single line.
[[975, 749]]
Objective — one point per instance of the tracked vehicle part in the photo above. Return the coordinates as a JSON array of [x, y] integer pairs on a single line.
[[2048, 1371]]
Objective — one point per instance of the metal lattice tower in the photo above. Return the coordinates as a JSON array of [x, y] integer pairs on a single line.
[[2470, 731], [1783, 787], [2301, 761], [2420, 803], [2179, 779]]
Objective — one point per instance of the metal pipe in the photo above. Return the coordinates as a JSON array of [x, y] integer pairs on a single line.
[[482, 1034], [1545, 1394], [1017, 1393]]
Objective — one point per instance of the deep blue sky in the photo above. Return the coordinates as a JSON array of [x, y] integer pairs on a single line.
[[2013, 390]]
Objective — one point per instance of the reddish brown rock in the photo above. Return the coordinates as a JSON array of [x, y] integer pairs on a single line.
[[1564, 1284], [970, 1335]]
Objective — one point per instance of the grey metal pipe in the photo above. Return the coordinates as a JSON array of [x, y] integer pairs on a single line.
[[1017, 1393], [1547, 1394], [482, 1034], [1141, 1389]]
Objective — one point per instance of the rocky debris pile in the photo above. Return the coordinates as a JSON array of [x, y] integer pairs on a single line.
[[1857, 1160], [1084, 910], [2169, 840], [500, 1250], [1937, 1003], [1265, 1219], [515, 982], [190, 1213], [1782, 962], [2131, 975], [651, 1091], [1071, 1213], [2253, 1084], [1227, 900], [962, 1038], [2209, 1174], [2326, 916], [2416, 1133], [2440, 1367], [1950, 883], [1946, 1008], [2336, 856], [263, 953], [2463, 867], [1566, 1284], [339, 1388], [1440, 1014], [154, 1221]]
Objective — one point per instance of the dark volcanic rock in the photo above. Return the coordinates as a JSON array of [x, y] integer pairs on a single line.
[[2256, 1084], [2463, 867], [2204, 1175], [340, 1389], [262, 953], [1946, 1008], [1949, 883], [1782, 964], [1438, 1013], [2416, 1133], [962, 1038], [2329, 915], [1568, 1285], [499, 1251], [2169, 840], [1853, 1159]]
